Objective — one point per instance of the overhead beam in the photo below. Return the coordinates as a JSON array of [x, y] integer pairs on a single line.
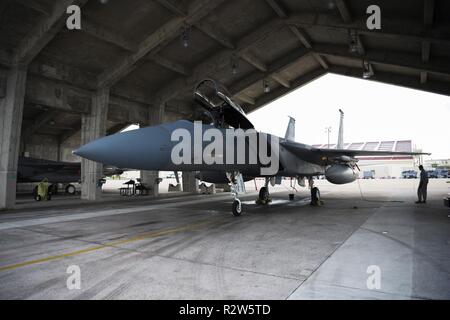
[[5, 57], [279, 78], [301, 36], [426, 51], [276, 6], [245, 98], [217, 61], [215, 33], [396, 79], [36, 5], [45, 31], [428, 19], [393, 59], [166, 33], [172, 7], [423, 77], [361, 47], [267, 98], [40, 121], [47, 67], [3, 6], [112, 37], [305, 40], [428, 13], [254, 61], [344, 11], [102, 33], [168, 64], [47, 93], [392, 28], [210, 30], [272, 69], [53, 95]]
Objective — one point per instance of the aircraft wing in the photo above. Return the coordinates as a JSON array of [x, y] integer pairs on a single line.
[[325, 156]]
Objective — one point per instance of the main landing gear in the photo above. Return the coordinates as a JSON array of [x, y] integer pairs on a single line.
[[264, 195]]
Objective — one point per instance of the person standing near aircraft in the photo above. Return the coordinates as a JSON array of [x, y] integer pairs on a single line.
[[423, 184]]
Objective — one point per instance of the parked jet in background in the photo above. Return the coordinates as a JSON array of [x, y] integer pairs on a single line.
[[36, 170], [152, 148]]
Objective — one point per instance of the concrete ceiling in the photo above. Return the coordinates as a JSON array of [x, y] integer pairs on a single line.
[[134, 47]]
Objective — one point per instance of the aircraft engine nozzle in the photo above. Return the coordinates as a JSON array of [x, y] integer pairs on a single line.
[[340, 174]]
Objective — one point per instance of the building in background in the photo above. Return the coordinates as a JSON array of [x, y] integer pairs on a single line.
[[383, 167], [437, 164]]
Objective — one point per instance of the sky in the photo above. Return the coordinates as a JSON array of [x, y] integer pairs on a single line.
[[373, 112]]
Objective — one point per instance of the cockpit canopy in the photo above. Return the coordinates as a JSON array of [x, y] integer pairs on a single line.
[[216, 100]]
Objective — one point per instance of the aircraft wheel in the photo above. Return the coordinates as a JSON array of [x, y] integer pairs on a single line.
[[236, 208], [315, 197], [263, 194], [70, 189]]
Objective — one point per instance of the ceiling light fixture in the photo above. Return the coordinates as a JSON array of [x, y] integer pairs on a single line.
[[234, 64], [266, 86], [367, 69], [185, 35], [353, 39]]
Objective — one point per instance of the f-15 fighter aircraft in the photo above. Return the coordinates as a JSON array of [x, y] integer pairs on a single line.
[[226, 148], [36, 170]]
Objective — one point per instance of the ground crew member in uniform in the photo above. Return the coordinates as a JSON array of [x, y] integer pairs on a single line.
[[423, 184]]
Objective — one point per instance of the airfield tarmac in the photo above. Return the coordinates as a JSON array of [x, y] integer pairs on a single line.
[[191, 247]]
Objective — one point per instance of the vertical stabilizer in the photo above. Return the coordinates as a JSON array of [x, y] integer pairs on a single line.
[[290, 132], [340, 142]]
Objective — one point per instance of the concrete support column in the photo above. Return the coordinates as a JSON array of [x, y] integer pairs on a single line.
[[93, 126], [12, 93], [155, 117], [190, 182]]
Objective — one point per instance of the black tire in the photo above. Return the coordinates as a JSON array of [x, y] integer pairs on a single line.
[[236, 208], [263, 194], [315, 197], [70, 189]]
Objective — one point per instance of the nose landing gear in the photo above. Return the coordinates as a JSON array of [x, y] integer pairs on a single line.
[[236, 208], [237, 187]]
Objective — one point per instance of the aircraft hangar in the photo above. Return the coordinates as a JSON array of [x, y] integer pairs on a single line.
[[137, 62]]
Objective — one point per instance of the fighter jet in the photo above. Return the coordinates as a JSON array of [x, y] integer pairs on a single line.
[[225, 147], [35, 170]]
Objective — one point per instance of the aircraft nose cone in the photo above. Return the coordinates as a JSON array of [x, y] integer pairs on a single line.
[[146, 148]]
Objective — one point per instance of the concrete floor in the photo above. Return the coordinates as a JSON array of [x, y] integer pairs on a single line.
[[193, 248]]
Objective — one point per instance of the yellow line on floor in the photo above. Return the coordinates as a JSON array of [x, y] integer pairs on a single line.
[[148, 235]]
